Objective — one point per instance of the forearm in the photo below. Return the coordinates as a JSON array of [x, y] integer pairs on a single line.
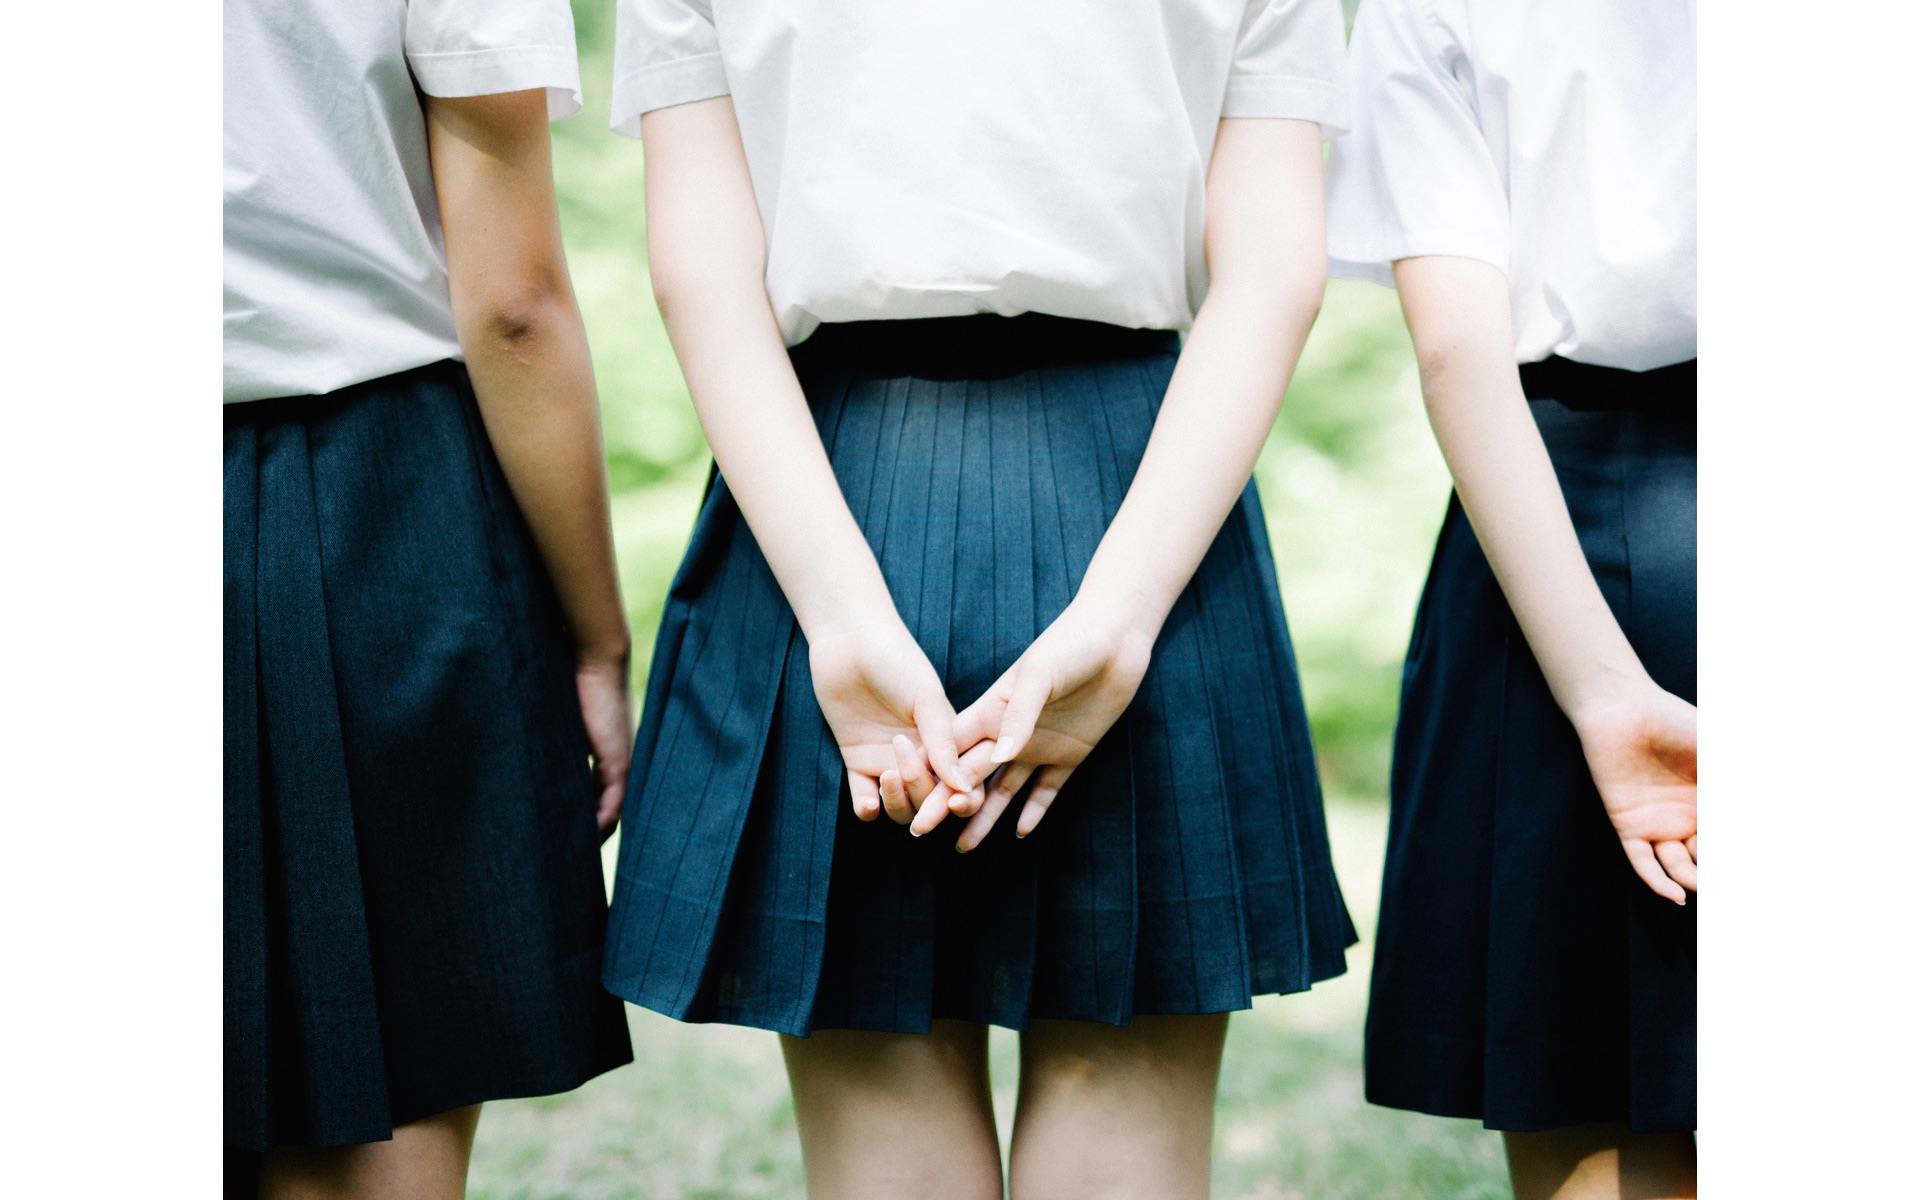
[[708, 254], [1217, 412], [1267, 257], [526, 350], [533, 378], [1457, 311]]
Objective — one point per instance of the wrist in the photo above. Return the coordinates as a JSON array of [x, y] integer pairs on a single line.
[[607, 653], [850, 604], [1122, 602], [1121, 614], [1607, 693]]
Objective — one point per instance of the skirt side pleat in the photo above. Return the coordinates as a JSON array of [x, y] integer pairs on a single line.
[[327, 1062], [1319, 927], [244, 981]]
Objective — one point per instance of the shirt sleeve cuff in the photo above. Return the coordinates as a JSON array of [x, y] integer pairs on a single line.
[[1375, 262], [510, 69], [1288, 96], [663, 85]]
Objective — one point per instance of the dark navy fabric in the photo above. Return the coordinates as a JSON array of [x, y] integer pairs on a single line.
[[1185, 867], [1524, 974], [414, 905]]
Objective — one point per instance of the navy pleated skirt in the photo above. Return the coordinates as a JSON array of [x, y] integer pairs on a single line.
[[1524, 974], [414, 905], [1183, 869]]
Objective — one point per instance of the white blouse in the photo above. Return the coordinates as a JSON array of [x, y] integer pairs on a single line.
[[1554, 139], [921, 159], [334, 270]]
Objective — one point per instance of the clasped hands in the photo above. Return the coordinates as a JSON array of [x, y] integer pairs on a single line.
[[909, 754]]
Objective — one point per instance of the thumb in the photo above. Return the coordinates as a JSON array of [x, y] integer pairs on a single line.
[[933, 717], [1025, 700]]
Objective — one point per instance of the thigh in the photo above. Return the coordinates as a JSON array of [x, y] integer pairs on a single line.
[[895, 1116], [1117, 1111], [425, 1160], [1601, 1162]]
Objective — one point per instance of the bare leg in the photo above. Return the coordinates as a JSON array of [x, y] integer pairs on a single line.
[[426, 1160], [1601, 1162], [1113, 1113], [895, 1116]]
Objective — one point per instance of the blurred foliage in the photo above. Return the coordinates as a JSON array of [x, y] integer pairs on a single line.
[[1353, 487]]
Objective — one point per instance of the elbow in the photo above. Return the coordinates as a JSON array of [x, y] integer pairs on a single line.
[[1437, 361], [1289, 298], [518, 321], [669, 291]]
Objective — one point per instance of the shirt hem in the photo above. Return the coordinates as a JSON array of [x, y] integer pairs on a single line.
[[1375, 263]]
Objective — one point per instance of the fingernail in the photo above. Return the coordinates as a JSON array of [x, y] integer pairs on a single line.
[[1002, 750], [961, 848], [913, 831]]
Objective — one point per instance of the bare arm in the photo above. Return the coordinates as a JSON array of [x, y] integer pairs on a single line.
[[1638, 738], [1266, 255], [526, 351], [708, 253]]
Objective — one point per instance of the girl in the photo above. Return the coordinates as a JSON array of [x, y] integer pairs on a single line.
[[1524, 174], [424, 635], [924, 267]]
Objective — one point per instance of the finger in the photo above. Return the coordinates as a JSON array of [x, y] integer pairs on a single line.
[[1029, 695], [1045, 788], [893, 797], [979, 720], [893, 793], [866, 795], [932, 812], [977, 762], [1679, 864], [1693, 847], [1645, 865], [607, 813], [933, 717], [983, 821], [913, 771], [998, 793]]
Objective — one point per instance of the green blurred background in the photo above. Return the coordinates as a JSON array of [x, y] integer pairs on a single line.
[[1354, 490]]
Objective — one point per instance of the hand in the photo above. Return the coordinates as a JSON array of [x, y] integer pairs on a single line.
[[913, 788], [1049, 710], [1642, 750], [602, 684], [874, 685]]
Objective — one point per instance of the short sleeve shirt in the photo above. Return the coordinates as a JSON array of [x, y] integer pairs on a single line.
[[921, 159], [1554, 139], [334, 271]]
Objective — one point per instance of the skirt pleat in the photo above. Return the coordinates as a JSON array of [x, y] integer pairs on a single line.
[[1524, 974], [413, 894], [983, 494]]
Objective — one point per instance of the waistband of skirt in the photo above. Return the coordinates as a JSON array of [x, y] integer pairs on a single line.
[[279, 408], [1610, 389], [983, 346]]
